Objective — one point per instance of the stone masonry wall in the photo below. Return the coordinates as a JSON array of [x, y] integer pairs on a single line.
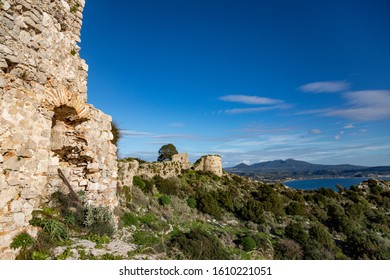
[[166, 169], [45, 123], [209, 163]]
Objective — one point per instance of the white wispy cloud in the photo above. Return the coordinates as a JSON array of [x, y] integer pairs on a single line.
[[256, 109], [349, 126], [253, 100], [248, 110], [325, 87], [133, 133], [365, 105], [315, 131]]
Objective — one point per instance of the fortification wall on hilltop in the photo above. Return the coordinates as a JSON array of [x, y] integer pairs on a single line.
[[210, 163], [166, 169], [45, 123]]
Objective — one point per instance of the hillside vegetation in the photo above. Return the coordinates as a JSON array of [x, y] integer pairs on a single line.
[[202, 216]]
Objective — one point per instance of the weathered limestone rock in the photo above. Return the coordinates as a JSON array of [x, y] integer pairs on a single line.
[[45, 122]]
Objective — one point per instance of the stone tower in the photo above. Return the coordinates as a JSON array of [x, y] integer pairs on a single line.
[[45, 123]]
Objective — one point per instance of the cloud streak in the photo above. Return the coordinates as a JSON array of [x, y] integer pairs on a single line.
[[133, 133], [365, 105], [252, 100], [256, 109], [325, 87]]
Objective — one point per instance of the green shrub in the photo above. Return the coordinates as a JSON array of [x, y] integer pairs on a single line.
[[366, 246], [129, 219], [198, 244], [248, 243], [295, 208], [252, 211], [99, 220], [55, 229], [164, 200], [209, 205], [168, 186], [110, 257], [145, 238], [65, 254], [320, 234], [148, 219], [270, 200], [191, 202], [100, 240], [296, 232], [22, 240], [226, 200], [149, 184], [137, 181], [338, 220], [37, 255]]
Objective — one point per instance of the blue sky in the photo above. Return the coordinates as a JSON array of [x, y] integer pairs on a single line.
[[249, 80]]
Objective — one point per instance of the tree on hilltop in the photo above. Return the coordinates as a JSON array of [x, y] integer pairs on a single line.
[[166, 152]]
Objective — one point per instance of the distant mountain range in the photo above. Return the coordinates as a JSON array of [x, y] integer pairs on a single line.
[[290, 168]]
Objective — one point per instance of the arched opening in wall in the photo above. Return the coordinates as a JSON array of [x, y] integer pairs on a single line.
[[68, 146]]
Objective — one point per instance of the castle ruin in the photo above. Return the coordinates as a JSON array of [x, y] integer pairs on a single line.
[[46, 125]]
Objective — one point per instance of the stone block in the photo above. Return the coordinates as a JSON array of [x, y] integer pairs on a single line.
[[6, 195], [19, 219], [16, 206]]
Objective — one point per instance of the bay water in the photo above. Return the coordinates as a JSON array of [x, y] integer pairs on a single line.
[[315, 184]]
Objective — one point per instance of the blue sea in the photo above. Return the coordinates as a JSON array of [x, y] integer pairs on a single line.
[[330, 183]]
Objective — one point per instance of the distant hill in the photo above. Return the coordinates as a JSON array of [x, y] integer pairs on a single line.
[[281, 169]]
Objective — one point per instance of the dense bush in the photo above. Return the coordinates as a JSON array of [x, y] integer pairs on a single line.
[[145, 238], [165, 200], [191, 202], [226, 200], [295, 208], [99, 220], [137, 181], [55, 229], [296, 232], [366, 246], [248, 243], [129, 219], [198, 244], [270, 200], [252, 211], [208, 204], [23, 241], [320, 234], [168, 186]]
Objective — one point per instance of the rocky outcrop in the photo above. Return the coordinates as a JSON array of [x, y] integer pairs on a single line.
[[45, 122]]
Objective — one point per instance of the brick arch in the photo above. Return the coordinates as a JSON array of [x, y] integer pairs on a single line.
[[60, 96]]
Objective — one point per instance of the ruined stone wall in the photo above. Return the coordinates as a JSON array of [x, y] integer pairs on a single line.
[[45, 123], [166, 169], [210, 163]]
